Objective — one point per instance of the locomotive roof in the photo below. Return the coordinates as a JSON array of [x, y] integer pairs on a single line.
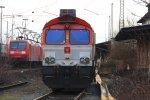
[[29, 40], [74, 20], [18, 40]]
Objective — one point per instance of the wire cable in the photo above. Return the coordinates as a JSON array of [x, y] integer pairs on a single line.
[[132, 13], [141, 2]]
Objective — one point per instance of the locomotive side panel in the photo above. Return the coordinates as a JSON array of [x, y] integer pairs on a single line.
[[35, 52], [39, 52]]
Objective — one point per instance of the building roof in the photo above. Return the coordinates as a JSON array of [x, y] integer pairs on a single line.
[[102, 48], [132, 32], [146, 16]]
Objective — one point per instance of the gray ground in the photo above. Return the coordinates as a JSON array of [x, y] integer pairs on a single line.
[[36, 88], [30, 91]]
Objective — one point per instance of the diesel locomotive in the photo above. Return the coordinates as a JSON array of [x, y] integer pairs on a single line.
[[68, 46]]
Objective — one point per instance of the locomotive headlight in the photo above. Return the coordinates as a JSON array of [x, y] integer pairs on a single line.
[[23, 52], [47, 60], [11, 52], [87, 60], [82, 60], [52, 59]]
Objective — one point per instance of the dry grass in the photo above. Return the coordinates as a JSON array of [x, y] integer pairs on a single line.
[[130, 86], [6, 76]]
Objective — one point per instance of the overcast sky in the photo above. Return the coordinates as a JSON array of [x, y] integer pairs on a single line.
[[96, 12]]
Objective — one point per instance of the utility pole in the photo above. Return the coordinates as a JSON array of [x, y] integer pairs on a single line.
[[112, 35], [110, 26], [121, 18], [12, 27], [109, 29], [1, 22], [25, 26], [7, 34], [13, 23]]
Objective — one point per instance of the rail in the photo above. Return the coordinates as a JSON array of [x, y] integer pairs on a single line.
[[43, 97], [12, 86], [78, 97]]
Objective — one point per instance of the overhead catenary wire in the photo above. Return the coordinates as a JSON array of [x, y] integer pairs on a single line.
[[89, 4], [132, 12], [91, 11], [49, 5], [50, 13], [30, 10], [15, 27]]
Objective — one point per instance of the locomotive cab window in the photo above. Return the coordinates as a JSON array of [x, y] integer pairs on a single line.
[[14, 45], [22, 45], [18, 45], [79, 37], [55, 36]]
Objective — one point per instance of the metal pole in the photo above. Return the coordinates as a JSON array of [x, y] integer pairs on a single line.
[[1, 25], [7, 34], [12, 30], [109, 29], [24, 31], [1, 22], [121, 18], [112, 21], [25, 20]]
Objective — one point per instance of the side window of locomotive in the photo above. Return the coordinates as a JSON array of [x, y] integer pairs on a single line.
[[13, 45], [79, 37], [22, 45], [55, 36]]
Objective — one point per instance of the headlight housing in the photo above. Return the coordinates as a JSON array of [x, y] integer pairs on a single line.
[[47, 60], [82, 60], [52, 60], [12, 52], [87, 60], [23, 52]]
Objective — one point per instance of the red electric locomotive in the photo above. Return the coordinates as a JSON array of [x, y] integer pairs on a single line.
[[24, 50], [68, 46]]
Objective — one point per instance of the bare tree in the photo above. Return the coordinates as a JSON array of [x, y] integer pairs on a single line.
[[142, 2], [130, 22]]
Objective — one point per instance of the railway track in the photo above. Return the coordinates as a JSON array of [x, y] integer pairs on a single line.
[[78, 97], [91, 93], [62, 95], [97, 91], [12, 86]]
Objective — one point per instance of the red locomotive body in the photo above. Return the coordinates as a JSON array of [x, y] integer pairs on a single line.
[[24, 50]]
